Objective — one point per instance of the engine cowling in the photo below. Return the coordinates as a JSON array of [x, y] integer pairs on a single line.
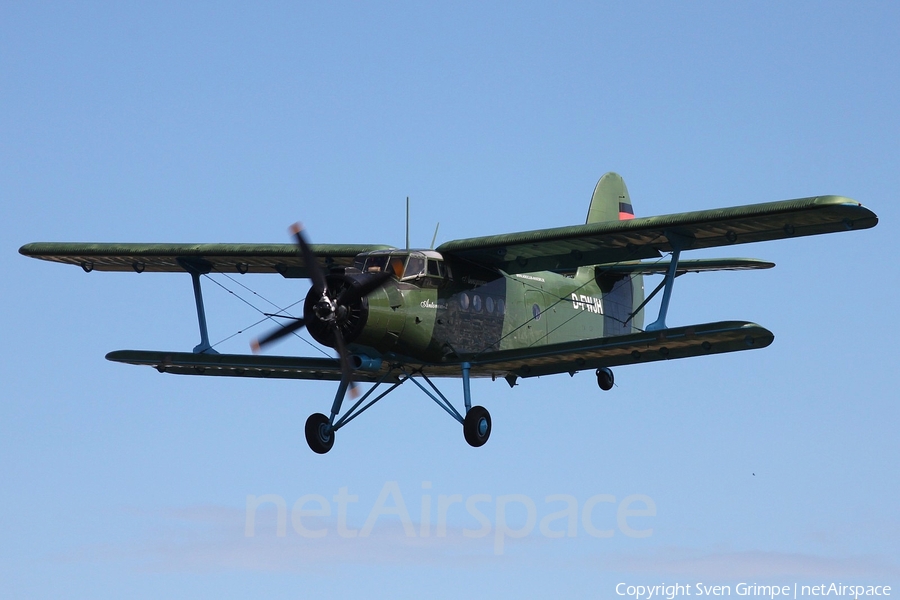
[[350, 319]]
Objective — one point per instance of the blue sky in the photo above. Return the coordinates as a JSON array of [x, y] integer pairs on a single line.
[[223, 122]]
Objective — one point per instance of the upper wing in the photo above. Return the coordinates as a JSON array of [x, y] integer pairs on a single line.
[[170, 258], [564, 248]]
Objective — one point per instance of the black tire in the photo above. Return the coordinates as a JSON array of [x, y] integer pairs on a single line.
[[605, 378], [477, 426], [318, 436]]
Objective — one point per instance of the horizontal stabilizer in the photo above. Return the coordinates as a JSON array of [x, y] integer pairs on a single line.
[[697, 265]]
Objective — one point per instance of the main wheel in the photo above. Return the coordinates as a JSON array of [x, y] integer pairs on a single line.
[[605, 378], [477, 426], [318, 434]]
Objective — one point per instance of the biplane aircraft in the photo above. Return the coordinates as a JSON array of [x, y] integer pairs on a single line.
[[512, 306]]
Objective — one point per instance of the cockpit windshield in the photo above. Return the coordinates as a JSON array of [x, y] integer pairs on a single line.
[[419, 268]]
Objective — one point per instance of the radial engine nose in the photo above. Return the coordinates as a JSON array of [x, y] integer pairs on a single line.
[[349, 311]]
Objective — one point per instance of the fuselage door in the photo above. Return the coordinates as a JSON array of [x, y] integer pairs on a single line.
[[617, 307]]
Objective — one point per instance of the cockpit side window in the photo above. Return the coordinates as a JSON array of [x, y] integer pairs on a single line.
[[436, 274], [415, 267], [375, 264]]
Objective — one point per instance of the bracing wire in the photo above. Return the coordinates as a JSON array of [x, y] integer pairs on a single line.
[[267, 317]]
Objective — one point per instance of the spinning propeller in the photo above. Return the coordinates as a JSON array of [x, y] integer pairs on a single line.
[[330, 309]]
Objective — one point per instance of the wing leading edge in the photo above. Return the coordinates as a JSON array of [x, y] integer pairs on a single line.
[[168, 258], [564, 248]]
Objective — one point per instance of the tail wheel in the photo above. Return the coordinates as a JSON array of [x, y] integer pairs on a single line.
[[605, 378], [319, 434], [477, 426]]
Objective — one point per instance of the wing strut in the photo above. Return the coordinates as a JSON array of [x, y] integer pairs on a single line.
[[198, 267], [678, 243], [648, 299]]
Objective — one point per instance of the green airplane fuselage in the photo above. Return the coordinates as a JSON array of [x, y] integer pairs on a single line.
[[447, 311]]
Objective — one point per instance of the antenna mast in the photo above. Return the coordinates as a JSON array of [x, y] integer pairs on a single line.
[[407, 222], [435, 234]]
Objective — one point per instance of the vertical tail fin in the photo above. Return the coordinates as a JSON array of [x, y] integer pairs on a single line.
[[610, 201]]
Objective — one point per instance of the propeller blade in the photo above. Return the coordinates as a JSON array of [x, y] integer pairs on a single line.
[[354, 293], [309, 258], [257, 344], [346, 369]]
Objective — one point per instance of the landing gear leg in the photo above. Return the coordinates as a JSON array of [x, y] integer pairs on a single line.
[[320, 429], [605, 378], [477, 423]]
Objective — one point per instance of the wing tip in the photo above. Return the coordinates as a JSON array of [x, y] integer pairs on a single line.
[[30, 249]]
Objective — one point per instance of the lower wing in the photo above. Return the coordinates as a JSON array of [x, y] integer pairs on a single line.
[[570, 357]]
